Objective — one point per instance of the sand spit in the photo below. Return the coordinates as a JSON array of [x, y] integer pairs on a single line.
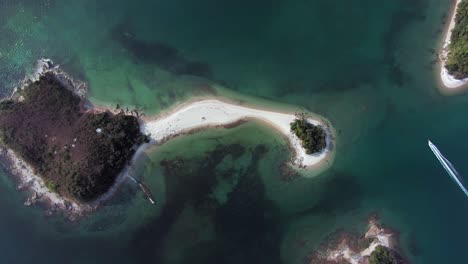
[[448, 81], [186, 118], [214, 112]]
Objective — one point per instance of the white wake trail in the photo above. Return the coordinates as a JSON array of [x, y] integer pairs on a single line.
[[133, 179], [448, 167]]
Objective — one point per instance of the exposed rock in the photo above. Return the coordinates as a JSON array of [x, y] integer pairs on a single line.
[[345, 247]]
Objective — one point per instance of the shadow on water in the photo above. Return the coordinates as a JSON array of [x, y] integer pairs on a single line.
[[161, 54], [245, 225]]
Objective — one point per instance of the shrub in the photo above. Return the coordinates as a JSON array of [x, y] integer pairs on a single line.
[[384, 255], [313, 137], [6, 105], [51, 185]]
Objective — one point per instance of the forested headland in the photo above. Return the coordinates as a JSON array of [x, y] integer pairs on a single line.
[[457, 58], [78, 153]]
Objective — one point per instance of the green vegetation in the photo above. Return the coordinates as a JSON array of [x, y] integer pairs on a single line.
[[457, 60], [313, 137], [384, 255], [5, 105], [51, 185], [78, 154]]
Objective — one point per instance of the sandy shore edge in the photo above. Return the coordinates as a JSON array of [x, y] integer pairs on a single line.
[[190, 116], [447, 82], [206, 112]]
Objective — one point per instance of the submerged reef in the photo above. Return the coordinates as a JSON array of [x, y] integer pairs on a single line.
[[165, 56]]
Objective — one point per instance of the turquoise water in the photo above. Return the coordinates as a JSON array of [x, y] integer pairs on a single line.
[[222, 196]]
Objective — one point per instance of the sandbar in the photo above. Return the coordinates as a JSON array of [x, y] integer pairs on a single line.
[[206, 113]]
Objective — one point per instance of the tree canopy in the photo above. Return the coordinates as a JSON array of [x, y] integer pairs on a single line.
[[77, 153], [313, 137], [384, 255], [457, 59]]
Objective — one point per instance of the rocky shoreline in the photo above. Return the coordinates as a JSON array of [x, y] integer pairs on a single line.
[[38, 193], [351, 248], [43, 66], [31, 183], [186, 118]]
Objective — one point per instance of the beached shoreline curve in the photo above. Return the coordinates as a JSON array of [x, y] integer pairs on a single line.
[[188, 117], [214, 112], [448, 84]]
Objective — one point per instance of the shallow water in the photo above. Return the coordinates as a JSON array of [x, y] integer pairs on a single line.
[[365, 65]]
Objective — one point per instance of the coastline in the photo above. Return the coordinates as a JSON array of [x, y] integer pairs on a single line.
[[447, 83], [208, 112], [193, 115], [352, 248], [38, 192], [33, 184]]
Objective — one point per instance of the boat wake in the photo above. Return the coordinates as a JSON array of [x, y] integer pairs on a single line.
[[448, 167], [133, 179]]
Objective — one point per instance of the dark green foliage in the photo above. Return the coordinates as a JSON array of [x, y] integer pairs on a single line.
[[457, 61], [6, 105], [50, 132], [113, 148], [51, 185], [313, 137], [384, 255]]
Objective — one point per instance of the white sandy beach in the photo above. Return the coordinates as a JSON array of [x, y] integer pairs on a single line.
[[213, 112], [448, 80], [187, 117]]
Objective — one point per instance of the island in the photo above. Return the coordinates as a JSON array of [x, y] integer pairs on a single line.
[[72, 155], [77, 152], [379, 245], [454, 53]]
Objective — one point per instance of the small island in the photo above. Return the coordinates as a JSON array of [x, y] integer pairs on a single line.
[[454, 53], [77, 153], [72, 156], [379, 245]]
